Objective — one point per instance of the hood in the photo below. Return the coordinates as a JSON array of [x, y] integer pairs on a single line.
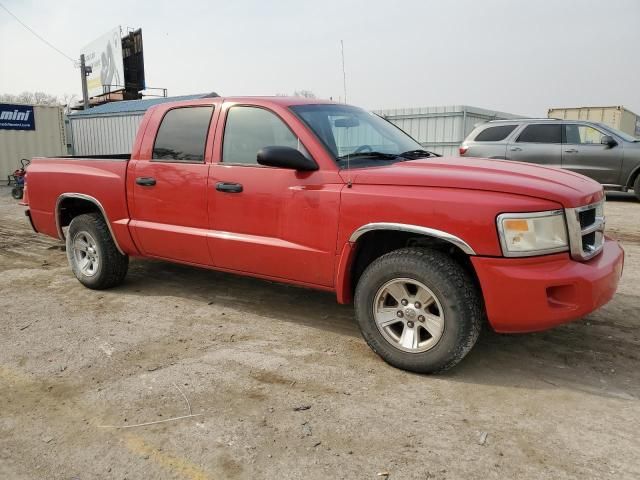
[[562, 186]]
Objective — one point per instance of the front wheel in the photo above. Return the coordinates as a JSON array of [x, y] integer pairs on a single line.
[[418, 309], [92, 253], [636, 187]]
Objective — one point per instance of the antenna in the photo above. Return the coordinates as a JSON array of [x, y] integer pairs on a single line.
[[344, 73], [344, 86]]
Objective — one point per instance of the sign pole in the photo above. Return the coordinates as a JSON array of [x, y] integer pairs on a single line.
[[85, 91]]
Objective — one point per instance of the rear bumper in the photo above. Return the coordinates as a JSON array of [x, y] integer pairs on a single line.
[[27, 214], [526, 295]]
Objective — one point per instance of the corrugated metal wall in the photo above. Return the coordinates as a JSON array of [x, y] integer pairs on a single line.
[[48, 139], [441, 129], [104, 134]]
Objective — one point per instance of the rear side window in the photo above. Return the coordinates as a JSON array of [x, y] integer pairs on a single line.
[[542, 133], [248, 129], [495, 134], [182, 135]]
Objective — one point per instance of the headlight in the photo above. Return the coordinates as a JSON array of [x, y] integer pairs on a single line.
[[527, 234]]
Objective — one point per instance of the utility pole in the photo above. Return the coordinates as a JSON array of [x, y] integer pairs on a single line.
[[84, 71]]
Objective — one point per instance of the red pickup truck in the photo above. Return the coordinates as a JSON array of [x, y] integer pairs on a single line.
[[331, 197]]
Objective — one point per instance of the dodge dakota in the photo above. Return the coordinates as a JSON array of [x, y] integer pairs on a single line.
[[332, 197]]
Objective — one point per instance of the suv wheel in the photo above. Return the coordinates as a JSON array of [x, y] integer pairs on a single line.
[[418, 309]]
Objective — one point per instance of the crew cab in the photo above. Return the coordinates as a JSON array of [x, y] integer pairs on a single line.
[[332, 197]]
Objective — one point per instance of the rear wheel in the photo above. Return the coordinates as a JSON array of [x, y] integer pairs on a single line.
[[92, 253], [17, 193], [418, 309], [636, 187]]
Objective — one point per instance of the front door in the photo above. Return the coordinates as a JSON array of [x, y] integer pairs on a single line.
[[272, 222], [169, 216], [583, 153], [539, 143]]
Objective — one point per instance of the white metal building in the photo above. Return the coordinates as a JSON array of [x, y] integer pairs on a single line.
[[441, 129], [41, 135], [111, 128]]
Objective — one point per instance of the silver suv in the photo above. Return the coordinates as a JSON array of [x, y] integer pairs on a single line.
[[598, 151]]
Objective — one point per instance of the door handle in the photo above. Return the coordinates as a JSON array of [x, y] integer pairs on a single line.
[[146, 181], [516, 149], [571, 150], [229, 187]]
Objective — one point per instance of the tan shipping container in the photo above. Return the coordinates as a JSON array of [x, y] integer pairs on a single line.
[[48, 139], [616, 117]]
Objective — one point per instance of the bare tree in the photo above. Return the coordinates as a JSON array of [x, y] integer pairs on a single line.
[[298, 93], [67, 100], [304, 93], [33, 98]]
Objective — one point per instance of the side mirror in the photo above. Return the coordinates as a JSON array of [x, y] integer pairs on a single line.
[[608, 140], [285, 157]]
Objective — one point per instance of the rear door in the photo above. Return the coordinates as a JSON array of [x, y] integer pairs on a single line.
[[169, 186], [539, 143], [583, 153]]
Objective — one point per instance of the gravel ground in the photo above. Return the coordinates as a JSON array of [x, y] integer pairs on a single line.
[[284, 387]]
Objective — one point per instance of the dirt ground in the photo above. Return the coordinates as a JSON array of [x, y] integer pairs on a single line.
[[284, 387]]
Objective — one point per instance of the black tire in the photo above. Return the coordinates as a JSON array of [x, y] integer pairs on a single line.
[[17, 193], [111, 266], [451, 285], [636, 187]]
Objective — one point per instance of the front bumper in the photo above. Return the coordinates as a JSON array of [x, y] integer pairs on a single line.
[[527, 295]]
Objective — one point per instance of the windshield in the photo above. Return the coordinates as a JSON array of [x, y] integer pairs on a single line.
[[359, 137], [624, 136]]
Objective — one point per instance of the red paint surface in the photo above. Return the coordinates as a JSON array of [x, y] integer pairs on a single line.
[[295, 226], [538, 293]]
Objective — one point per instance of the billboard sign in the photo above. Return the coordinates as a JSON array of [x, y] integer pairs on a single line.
[[16, 117], [104, 56]]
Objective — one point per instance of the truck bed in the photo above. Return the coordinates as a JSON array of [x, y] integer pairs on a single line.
[[115, 156], [58, 180]]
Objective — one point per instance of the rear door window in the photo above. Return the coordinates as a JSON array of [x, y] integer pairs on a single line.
[[495, 134], [182, 135], [541, 133]]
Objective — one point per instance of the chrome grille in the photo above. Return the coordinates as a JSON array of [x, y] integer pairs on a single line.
[[586, 230]]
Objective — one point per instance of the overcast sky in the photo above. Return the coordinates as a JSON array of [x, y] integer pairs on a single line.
[[518, 56]]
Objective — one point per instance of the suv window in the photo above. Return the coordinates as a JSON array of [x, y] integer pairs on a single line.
[[248, 129], [541, 133], [582, 134], [182, 135], [495, 134]]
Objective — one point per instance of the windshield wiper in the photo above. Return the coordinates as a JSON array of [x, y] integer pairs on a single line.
[[374, 154], [418, 154]]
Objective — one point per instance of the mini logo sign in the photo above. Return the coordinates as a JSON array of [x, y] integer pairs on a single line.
[[16, 117]]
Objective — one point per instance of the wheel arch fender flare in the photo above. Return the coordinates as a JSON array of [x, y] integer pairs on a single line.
[[344, 289], [87, 198], [632, 176]]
